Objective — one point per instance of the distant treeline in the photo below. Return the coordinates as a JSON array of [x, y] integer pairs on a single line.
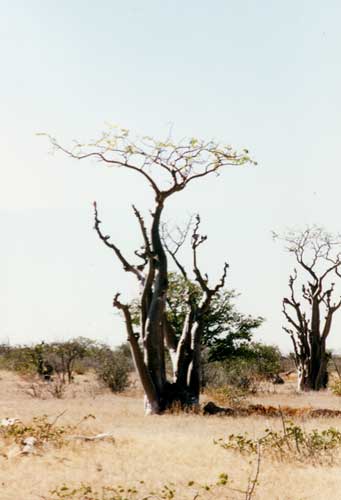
[[113, 366], [62, 360]]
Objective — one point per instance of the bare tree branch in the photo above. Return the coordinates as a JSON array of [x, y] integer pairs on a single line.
[[105, 238], [168, 239], [145, 377]]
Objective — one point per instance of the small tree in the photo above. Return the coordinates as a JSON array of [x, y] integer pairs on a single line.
[[309, 317], [168, 168], [62, 356]]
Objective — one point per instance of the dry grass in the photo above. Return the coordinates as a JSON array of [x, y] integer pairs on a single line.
[[155, 449]]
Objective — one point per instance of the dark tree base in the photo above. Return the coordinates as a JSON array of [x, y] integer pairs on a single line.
[[173, 395]]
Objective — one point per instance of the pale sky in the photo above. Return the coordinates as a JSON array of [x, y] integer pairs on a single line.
[[263, 74]]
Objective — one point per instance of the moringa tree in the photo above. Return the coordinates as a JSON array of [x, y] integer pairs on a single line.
[[168, 168], [226, 332], [309, 317]]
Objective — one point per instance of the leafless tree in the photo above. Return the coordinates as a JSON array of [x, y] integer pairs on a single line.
[[168, 168], [309, 314]]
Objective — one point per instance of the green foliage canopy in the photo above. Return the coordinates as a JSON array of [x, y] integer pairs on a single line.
[[227, 332]]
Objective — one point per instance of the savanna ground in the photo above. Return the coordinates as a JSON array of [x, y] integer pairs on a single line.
[[158, 450]]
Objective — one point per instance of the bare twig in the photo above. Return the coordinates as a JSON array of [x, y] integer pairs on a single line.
[[253, 482], [105, 238], [57, 418]]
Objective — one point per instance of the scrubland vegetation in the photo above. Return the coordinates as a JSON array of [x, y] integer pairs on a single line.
[[91, 444]]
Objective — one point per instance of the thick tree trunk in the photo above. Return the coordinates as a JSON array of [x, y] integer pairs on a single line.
[[321, 381], [194, 374], [151, 406], [313, 373], [315, 343], [151, 395], [157, 334], [184, 354], [153, 342], [302, 377]]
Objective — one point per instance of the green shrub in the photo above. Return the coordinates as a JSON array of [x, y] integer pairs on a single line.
[[256, 363], [113, 368], [292, 442], [336, 387], [40, 428], [140, 491], [21, 359]]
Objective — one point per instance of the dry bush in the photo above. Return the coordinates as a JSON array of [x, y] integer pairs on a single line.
[[43, 431], [83, 386], [335, 387], [113, 369], [177, 408], [56, 387], [292, 443], [37, 388], [39, 428], [227, 395]]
